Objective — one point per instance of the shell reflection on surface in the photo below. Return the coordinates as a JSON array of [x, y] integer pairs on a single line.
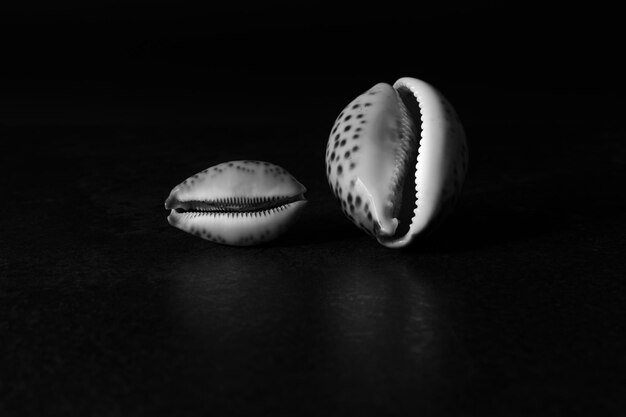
[[396, 160], [237, 203]]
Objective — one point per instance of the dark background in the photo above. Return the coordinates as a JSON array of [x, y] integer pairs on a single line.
[[515, 307], [157, 61]]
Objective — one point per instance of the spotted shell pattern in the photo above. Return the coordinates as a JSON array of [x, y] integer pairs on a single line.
[[397, 146], [237, 203]]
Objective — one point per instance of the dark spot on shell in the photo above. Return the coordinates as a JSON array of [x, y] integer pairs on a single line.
[[337, 136], [346, 155], [332, 156], [369, 216], [352, 165], [348, 117], [357, 201], [339, 169], [368, 104], [349, 198], [345, 129], [355, 106], [359, 116], [343, 142], [355, 136], [355, 148]]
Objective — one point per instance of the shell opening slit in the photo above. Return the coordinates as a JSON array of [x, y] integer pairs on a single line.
[[242, 206], [406, 196]]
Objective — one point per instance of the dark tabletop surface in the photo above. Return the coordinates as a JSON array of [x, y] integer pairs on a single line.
[[516, 306]]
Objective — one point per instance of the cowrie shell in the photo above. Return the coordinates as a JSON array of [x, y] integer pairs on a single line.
[[237, 203], [396, 160]]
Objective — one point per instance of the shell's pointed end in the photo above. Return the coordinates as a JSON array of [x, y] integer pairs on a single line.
[[386, 229], [172, 219], [394, 236], [171, 202]]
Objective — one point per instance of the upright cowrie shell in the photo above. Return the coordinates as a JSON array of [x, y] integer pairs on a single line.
[[396, 160], [237, 203]]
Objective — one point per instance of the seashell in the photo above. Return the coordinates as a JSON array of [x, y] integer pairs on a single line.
[[396, 160], [237, 203]]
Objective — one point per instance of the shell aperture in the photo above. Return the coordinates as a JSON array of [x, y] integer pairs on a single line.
[[237, 203], [396, 159]]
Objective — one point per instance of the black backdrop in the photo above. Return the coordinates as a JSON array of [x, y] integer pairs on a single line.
[[148, 52], [514, 308]]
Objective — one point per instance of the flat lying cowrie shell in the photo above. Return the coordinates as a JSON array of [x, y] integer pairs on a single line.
[[396, 160], [237, 203]]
